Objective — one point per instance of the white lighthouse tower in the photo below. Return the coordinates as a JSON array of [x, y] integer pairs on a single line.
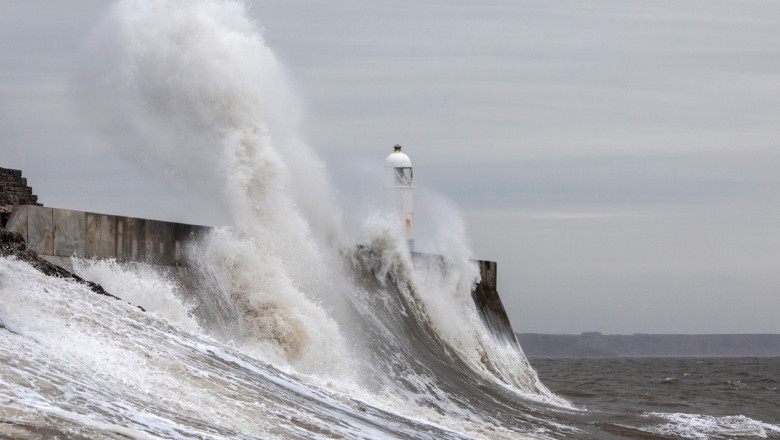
[[399, 189]]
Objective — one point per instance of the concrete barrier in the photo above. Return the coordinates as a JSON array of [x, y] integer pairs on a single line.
[[484, 295], [57, 234]]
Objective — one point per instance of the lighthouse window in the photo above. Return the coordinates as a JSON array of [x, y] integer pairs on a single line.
[[403, 176]]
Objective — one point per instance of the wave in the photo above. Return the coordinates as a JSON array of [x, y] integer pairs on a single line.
[[189, 91], [284, 319], [77, 364]]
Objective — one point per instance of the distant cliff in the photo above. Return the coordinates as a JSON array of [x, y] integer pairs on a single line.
[[597, 344]]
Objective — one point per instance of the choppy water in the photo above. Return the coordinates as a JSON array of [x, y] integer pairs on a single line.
[[678, 397], [74, 364]]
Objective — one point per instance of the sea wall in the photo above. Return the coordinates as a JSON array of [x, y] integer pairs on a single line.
[[57, 234], [485, 296]]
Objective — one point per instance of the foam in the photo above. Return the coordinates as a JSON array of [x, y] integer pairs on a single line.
[[208, 108], [145, 285], [698, 426], [93, 365]]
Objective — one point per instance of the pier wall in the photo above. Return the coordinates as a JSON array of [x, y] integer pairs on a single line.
[[485, 296], [57, 234]]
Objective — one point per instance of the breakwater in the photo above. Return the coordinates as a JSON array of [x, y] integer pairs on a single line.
[[58, 234]]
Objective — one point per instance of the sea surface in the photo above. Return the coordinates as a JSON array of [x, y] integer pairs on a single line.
[[679, 397], [74, 364]]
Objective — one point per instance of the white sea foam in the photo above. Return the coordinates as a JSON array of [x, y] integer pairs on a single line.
[[149, 286], [276, 319], [189, 91], [698, 426], [442, 295], [95, 367]]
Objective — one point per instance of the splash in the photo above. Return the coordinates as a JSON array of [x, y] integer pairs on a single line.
[[424, 323], [76, 364], [189, 91], [145, 285]]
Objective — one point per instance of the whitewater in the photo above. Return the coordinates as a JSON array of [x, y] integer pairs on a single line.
[[301, 325]]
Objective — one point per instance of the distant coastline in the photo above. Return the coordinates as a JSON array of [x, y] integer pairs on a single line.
[[595, 344]]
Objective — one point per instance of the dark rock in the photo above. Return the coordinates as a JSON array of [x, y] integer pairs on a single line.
[[14, 191], [12, 244]]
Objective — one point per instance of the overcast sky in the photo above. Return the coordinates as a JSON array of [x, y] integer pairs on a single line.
[[619, 159]]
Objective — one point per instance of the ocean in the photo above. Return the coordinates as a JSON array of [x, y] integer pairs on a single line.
[[305, 318], [672, 397], [74, 364]]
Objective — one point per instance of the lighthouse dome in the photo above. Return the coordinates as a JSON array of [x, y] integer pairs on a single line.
[[397, 159]]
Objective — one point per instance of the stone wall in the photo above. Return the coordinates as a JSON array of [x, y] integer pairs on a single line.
[[57, 234], [14, 191]]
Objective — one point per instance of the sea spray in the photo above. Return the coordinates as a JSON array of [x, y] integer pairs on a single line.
[[77, 364], [276, 319], [446, 289], [189, 91], [152, 287], [427, 298]]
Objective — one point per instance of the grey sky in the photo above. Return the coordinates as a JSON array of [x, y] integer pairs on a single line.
[[617, 158]]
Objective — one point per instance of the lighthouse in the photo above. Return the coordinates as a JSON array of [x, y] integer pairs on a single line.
[[399, 189]]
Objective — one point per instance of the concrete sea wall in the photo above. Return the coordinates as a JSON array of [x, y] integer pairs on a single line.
[[485, 296], [57, 234]]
